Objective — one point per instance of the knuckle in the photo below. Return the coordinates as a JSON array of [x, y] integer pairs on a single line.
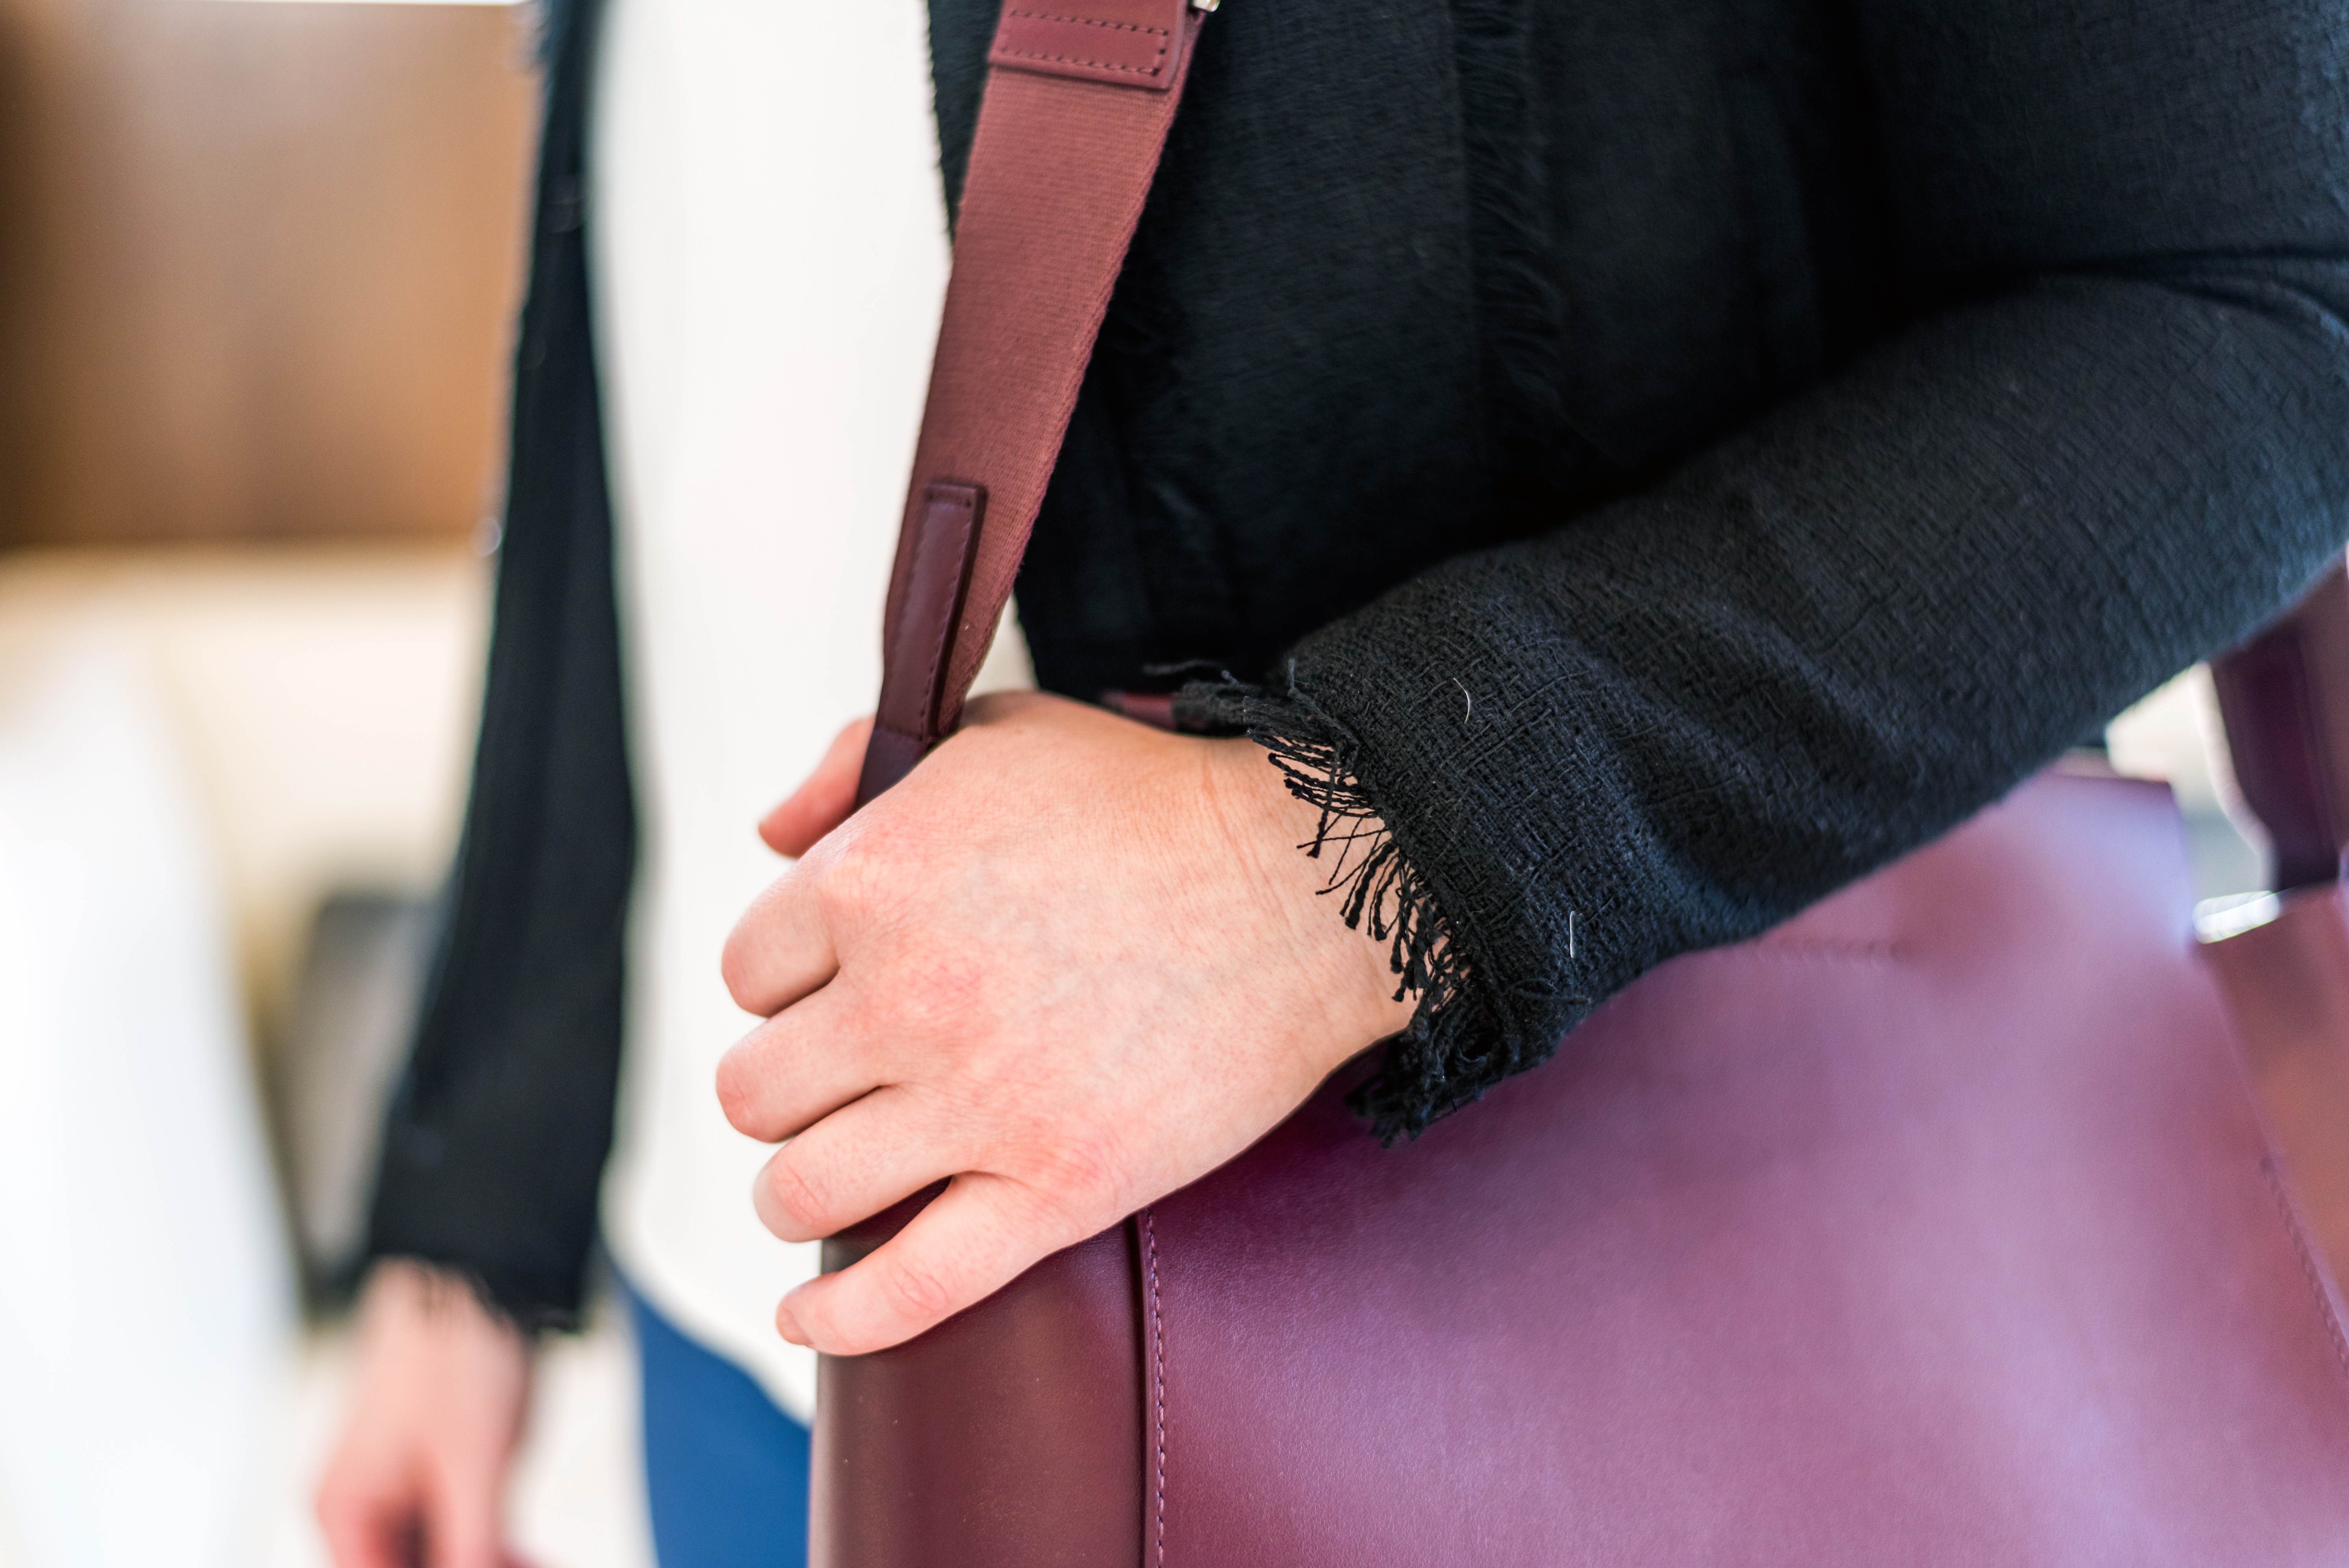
[[737, 1092], [874, 871], [1086, 1170], [801, 1204], [852, 879], [945, 991], [734, 968], [1072, 1185]]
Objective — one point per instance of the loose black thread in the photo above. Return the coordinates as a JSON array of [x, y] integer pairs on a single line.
[[1457, 1044]]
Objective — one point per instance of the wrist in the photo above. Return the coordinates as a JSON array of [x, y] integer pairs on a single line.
[[1303, 870], [406, 1296]]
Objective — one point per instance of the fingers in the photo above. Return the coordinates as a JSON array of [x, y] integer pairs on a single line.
[[853, 1164], [977, 1237], [465, 1527], [782, 950], [370, 1530], [408, 1520], [824, 801], [793, 1069], [418, 1478]]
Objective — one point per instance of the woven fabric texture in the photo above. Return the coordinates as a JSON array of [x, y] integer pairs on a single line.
[[1673, 456], [1679, 461]]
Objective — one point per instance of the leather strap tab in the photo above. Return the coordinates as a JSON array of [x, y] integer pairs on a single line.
[[944, 540], [1060, 168], [1133, 43]]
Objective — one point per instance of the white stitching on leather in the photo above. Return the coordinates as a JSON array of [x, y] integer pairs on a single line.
[[1157, 1386]]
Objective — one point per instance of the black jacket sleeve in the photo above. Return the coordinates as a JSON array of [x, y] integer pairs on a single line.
[[496, 1142], [2115, 438]]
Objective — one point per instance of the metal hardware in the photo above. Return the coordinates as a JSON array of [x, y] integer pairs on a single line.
[[2216, 920]]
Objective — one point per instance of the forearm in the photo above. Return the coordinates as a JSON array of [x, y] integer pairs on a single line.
[[494, 1149], [1673, 723]]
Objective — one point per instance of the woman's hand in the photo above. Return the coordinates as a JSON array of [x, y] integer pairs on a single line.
[[1071, 962], [418, 1480]]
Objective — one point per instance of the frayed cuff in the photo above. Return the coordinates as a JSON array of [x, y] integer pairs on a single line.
[[1451, 1051]]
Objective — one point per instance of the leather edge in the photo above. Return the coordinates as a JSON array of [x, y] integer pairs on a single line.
[[1153, 1338], [1138, 44]]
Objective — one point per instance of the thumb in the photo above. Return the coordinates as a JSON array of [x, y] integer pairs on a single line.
[[824, 801]]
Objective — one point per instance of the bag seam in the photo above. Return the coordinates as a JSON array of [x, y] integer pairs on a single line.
[[1157, 1389], [2308, 1269]]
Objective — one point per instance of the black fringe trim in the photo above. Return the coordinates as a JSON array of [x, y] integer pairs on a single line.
[[1445, 1057]]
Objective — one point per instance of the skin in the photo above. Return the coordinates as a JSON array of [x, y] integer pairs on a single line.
[[1070, 964], [419, 1479]]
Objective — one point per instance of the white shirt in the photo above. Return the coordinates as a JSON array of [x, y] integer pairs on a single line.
[[768, 253]]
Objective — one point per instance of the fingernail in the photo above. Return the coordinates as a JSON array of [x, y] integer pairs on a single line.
[[787, 1325]]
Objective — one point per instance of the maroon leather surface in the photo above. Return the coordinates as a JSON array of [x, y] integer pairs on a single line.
[[1010, 1434], [2287, 989], [1902, 1235], [1937, 1225], [2285, 699], [1130, 42]]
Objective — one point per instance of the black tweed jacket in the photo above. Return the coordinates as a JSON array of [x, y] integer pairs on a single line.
[[1662, 458]]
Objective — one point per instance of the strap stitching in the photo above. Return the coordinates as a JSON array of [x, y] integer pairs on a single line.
[[1153, 69], [1092, 22], [2308, 1265], [1157, 1386]]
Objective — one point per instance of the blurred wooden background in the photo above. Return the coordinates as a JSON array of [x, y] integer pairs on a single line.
[[258, 264]]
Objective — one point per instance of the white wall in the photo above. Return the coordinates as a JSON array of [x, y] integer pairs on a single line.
[[324, 701], [222, 735]]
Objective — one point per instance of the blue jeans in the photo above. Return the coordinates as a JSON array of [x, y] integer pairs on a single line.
[[725, 1473]]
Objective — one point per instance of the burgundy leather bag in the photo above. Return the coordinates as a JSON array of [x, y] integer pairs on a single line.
[[1938, 1225]]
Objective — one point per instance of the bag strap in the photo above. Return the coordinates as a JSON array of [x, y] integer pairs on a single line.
[[1079, 99], [1080, 95], [2284, 697]]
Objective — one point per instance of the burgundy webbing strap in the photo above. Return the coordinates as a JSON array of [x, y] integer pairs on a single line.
[[2284, 696], [1079, 98]]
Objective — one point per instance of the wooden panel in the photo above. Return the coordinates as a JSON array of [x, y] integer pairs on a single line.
[[258, 264]]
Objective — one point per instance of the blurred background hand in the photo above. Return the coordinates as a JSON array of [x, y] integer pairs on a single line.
[[419, 1479]]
